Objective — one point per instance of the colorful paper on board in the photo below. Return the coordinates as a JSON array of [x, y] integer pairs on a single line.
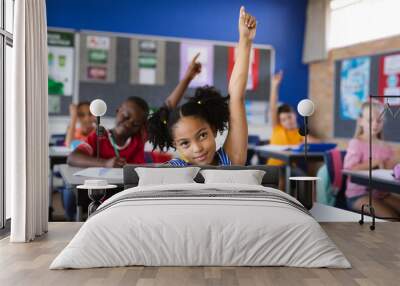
[[60, 63], [354, 86], [253, 76], [389, 78], [188, 51], [147, 62], [97, 73]]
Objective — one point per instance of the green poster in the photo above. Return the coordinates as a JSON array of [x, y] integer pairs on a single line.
[[60, 39], [97, 56], [147, 62], [60, 62]]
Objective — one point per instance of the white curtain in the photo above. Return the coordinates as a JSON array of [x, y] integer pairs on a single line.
[[316, 34], [26, 124]]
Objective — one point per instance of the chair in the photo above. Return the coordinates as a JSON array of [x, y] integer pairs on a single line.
[[255, 140], [57, 140], [334, 162]]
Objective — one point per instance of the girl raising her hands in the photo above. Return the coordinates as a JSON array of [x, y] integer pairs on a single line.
[[192, 127]]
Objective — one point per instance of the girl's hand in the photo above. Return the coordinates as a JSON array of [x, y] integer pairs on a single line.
[[247, 25], [194, 68], [277, 79], [377, 164], [115, 163]]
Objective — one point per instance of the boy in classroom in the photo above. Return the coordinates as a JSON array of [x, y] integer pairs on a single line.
[[285, 130], [125, 142], [81, 124], [192, 127]]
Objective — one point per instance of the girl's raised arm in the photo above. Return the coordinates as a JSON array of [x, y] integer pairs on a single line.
[[236, 142]]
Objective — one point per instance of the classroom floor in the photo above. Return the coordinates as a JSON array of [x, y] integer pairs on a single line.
[[375, 257]]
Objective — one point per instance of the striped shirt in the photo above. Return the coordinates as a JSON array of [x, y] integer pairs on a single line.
[[223, 160]]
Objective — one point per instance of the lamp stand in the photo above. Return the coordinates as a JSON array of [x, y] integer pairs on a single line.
[[97, 137], [305, 140]]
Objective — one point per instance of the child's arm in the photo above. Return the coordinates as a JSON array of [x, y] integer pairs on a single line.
[[354, 158], [273, 100], [85, 156], [79, 158], [73, 115], [236, 142], [193, 69], [376, 164]]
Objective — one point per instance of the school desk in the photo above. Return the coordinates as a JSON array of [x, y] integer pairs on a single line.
[[287, 156], [381, 179], [72, 181]]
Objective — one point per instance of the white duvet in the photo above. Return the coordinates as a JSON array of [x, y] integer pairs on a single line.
[[188, 231]]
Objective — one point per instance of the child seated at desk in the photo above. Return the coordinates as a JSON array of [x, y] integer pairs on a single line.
[[357, 158], [81, 124], [192, 127], [283, 121]]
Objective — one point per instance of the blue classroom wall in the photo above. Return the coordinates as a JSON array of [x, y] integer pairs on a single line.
[[281, 24]]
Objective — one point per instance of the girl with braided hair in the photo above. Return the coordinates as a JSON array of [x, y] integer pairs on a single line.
[[192, 127]]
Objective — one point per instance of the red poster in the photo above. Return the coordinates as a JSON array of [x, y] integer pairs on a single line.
[[389, 77], [99, 73], [253, 78]]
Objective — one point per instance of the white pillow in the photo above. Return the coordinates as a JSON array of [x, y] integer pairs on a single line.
[[166, 176], [247, 177]]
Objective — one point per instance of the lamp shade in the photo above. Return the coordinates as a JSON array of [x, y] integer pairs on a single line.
[[98, 107], [306, 107]]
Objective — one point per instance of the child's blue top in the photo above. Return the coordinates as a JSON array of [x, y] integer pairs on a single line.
[[223, 160]]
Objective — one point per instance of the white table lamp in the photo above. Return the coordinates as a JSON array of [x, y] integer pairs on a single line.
[[306, 108], [98, 108]]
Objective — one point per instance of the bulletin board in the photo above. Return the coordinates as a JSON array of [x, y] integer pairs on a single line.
[[115, 66], [357, 78]]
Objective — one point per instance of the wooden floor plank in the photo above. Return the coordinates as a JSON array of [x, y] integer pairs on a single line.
[[375, 257]]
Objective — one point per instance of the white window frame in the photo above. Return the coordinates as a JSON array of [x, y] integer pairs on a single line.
[[6, 39]]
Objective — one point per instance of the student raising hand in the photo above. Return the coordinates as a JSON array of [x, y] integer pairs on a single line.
[[236, 141], [193, 69], [277, 79], [247, 25]]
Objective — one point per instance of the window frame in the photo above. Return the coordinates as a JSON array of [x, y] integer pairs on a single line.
[[6, 39]]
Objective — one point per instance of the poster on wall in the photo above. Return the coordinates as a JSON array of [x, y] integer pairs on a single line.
[[147, 62], [60, 62], [98, 58], [389, 77], [188, 51], [253, 76], [354, 86]]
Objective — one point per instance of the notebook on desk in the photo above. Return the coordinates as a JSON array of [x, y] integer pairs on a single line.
[[314, 147]]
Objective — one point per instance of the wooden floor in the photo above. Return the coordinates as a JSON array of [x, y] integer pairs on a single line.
[[375, 257]]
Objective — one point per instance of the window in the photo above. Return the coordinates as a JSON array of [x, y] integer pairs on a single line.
[[6, 43], [356, 21]]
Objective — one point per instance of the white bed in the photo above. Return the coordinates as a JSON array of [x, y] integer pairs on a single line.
[[201, 224]]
